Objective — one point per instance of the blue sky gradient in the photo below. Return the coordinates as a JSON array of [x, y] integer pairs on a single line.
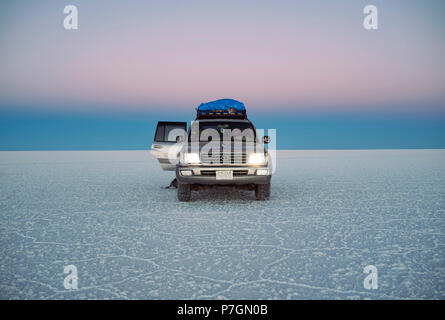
[[36, 130], [306, 68]]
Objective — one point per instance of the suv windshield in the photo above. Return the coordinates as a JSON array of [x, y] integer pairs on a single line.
[[222, 131]]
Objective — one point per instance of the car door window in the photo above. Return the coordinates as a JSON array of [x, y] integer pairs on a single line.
[[169, 131]]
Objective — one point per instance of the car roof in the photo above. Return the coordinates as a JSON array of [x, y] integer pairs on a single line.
[[223, 120]]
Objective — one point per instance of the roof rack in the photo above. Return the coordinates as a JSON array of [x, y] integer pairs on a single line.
[[223, 108]]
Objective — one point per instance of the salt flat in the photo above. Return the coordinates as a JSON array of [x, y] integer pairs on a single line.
[[331, 214]]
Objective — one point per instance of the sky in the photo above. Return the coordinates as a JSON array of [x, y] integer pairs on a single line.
[[306, 68]]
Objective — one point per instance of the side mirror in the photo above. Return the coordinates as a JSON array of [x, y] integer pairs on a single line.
[[266, 139], [179, 139]]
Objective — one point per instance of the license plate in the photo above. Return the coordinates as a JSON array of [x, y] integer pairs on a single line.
[[224, 175]]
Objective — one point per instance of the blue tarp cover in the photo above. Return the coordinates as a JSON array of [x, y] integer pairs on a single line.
[[221, 104]]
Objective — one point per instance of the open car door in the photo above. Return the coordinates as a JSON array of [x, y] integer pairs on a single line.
[[167, 143]]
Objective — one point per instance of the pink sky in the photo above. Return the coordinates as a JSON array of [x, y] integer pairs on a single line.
[[292, 55]]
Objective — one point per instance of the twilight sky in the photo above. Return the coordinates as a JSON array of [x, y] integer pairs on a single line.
[[307, 60]]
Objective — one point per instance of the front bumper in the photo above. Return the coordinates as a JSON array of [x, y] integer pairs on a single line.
[[204, 175]]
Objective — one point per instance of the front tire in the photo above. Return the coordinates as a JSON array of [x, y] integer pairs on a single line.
[[184, 192], [262, 191]]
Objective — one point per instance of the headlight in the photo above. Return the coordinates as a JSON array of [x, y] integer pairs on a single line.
[[191, 158], [257, 159]]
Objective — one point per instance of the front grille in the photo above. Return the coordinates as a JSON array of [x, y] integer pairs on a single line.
[[224, 158], [208, 172], [212, 173], [240, 172]]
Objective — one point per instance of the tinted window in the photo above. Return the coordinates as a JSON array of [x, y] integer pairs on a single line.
[[226, 130], [169, 131]]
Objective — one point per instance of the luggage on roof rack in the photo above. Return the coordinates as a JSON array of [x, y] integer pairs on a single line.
[[223, 108]]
